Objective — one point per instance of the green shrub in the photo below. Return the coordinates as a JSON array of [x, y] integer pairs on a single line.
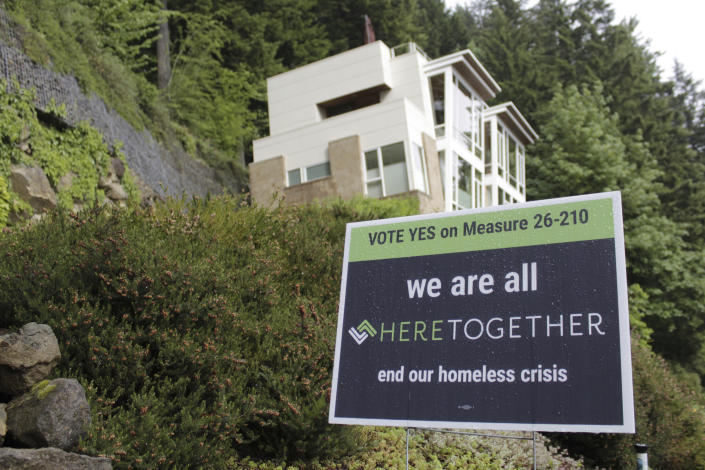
[[202, 331]]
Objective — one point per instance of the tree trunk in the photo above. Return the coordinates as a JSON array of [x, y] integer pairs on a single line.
[[163, 59]]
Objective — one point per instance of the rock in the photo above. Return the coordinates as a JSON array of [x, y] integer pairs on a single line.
[[105, 181], [118, 167], [115, 173], [32, 186], [53, 414], [3, 423], [116, 192], [49, 459], [66, 181], [26, 357]]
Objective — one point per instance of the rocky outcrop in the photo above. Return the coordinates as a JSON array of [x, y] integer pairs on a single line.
[[167, 170], [53, 414], [32, 186], [49, 459], [111, 183], [26, 357]]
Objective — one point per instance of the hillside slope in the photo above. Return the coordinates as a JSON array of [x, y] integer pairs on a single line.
[[204, 333]]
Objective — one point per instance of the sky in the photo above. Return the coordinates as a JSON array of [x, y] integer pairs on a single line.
[[673, 27]]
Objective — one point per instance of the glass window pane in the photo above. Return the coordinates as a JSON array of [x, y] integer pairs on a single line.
[[512, 160], [294, 177], [395, 175], [438, 94], [372, 164], [374, 189], [317, 171], [488, 145], [393, 153], [464, 184]]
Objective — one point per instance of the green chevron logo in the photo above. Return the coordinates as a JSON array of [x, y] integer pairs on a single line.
[[366, 326]]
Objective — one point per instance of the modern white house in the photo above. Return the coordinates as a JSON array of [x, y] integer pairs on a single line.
[[387, 122]]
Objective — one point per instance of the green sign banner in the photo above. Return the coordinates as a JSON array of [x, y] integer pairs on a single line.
[[473, 231]]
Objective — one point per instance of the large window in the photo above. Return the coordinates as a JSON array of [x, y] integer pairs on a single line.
[[488, 148], [520, 173], [385, 170], [467, 186], [309, 173], [477, 188], [439, 104], [464, 185], [501, 151]]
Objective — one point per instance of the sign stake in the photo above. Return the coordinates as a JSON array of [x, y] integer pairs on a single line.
[[407, 448]]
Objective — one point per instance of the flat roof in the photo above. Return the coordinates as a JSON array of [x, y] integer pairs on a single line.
[[471, 69], [513, 119]]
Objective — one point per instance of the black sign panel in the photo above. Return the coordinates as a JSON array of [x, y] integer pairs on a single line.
[[530, 337]]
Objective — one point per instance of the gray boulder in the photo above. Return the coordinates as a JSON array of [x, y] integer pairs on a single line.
[[26, 357], [116, 192], [3, 423], [49, 459], [117, 167], [53, 414], [32, 186]]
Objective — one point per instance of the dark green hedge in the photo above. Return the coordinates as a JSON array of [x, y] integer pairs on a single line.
[[203, 331]]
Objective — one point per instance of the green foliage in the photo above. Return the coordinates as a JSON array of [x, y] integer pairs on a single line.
[[64, 34], [582, 150], [128, 29], [204, 333], [212, 101], [77, 153]]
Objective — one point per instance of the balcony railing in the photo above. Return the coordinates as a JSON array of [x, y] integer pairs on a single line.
[[408, 47]]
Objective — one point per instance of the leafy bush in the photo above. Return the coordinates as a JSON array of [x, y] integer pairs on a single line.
[[202, 331]]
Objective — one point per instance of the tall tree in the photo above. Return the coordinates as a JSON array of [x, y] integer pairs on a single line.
[[163, 56]]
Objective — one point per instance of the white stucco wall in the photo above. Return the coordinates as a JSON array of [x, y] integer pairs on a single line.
[[293, 96], [378, 125]]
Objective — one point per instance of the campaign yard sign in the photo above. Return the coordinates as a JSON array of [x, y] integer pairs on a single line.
[[511, 317]]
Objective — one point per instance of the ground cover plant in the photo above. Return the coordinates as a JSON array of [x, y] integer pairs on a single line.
[[31, 139]]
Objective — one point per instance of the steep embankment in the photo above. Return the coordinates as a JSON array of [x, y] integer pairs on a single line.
[[166, 169]]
